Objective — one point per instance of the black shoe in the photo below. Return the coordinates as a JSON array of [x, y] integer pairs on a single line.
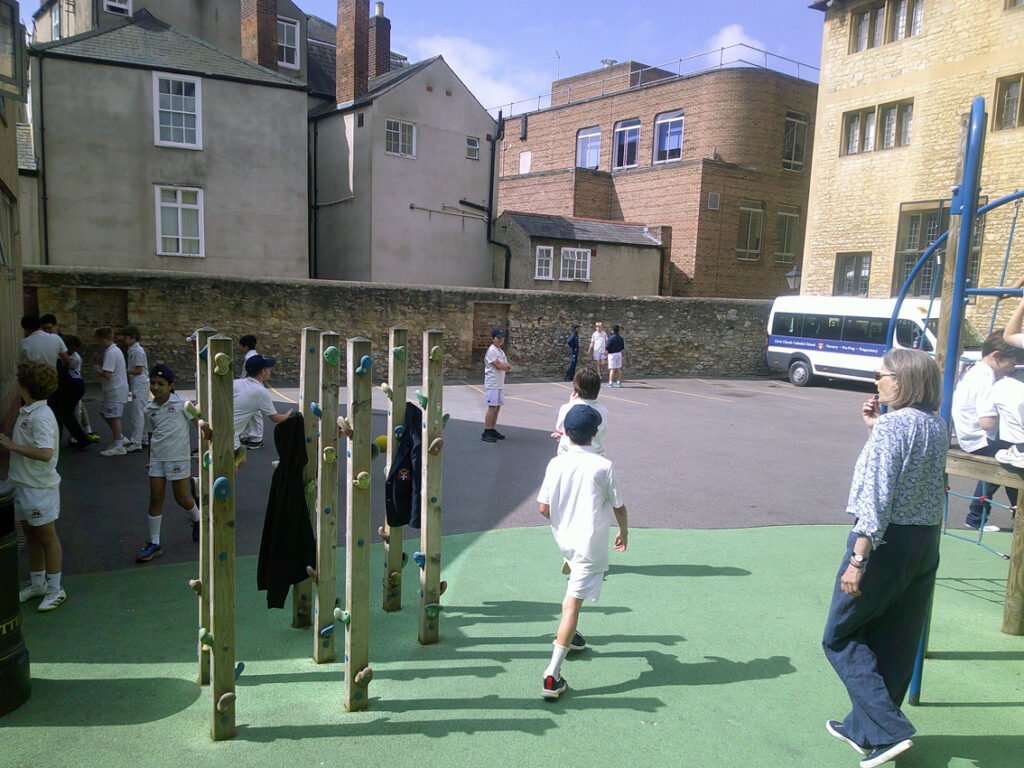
[[837, 729], [578, 643], [879, 755], [497, 434], [253, 445], [553, 687], [487, 437]]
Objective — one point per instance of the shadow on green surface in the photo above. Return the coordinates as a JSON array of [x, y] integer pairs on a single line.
[[680, 570], [534, 726], [497, 703], [981, 751], [109, 702], [517, 610]]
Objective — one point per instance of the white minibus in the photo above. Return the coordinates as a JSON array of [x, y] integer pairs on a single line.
[[844, 337]]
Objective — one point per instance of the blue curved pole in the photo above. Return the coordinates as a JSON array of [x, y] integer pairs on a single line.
[[964, 203]]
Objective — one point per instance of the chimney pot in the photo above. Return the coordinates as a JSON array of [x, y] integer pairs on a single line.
[[378, 9]]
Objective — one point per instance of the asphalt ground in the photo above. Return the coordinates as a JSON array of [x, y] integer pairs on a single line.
[[689, 453]]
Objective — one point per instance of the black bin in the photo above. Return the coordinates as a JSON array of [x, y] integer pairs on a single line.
[[15, 680]]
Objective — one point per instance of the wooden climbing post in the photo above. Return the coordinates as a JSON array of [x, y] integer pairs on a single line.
[[220, 634], [327, 499], [397, 387], [357, 534], [309, 374], [430, 487], [201, 585]]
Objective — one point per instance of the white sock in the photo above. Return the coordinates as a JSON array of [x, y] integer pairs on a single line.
[[52, 582], [38, 578], [194, 514], [119, 442], [154, 528], [557, 657]]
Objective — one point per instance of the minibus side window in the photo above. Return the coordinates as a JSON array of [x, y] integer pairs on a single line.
[[787, 324], [865, 330], [908, 334], [823, 326]]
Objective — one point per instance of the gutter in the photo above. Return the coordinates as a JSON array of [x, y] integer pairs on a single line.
[[44, 212], [489, 210]]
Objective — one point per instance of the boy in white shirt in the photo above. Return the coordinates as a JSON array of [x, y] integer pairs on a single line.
[[115, 388], [167, 418], [579, 496], [252, 400], [586, 385], [495, 366], [252, 435], [40, 346], [599, 345], [138, 385], [35, 447]]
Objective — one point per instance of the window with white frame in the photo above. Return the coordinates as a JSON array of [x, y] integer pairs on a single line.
[[177, 111], [473, 147], [400, 138], [544, 262], [668, 136], [787, 231], [55, 21], [894, 123], [1009, 111], [627, 144], [120, 7], [794, 141], [288, 43], [588, 148], [748, 232], [575, 264], [179, 221]]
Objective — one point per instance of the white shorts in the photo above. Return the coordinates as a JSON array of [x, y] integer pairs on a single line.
[[36, 506], [112, 410], [172, 470], [614, 359], [494, 397], [584, 587], [600, 356]]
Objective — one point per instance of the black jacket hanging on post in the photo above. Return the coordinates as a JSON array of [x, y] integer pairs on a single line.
[[402, 489], [288, 543]]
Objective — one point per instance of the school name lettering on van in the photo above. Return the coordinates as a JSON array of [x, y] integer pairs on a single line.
[[825, 345]]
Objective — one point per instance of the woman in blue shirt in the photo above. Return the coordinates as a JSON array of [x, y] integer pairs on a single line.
[[885, 581]]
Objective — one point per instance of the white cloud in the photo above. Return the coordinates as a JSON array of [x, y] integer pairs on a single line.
[[731, 38], [492, 75]]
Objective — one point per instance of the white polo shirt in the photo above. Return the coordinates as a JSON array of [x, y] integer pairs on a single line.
[[115, 388], [170, 439], [565, 442], [493, 378], [138, 384], [974, 385], [580, 489], [42, 347], [251, 399], [36, 427], [1005, 401]]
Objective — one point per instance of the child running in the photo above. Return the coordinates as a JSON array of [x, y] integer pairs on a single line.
[[579, 496], [586, 386], [167, 418], [35, 447]]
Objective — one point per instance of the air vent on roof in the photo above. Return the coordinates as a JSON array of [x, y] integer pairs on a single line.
[[714, 200]]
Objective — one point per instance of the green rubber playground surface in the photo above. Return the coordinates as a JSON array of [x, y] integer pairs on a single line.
[[704, 651]]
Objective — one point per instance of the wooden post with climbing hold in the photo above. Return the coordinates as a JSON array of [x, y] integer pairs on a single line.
[[357, 530], [203, 403], [326, 525], [309, 383], [398, 382], [430, 487], [221, 493]]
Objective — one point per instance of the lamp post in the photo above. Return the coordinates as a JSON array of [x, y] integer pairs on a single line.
[[793, 279]]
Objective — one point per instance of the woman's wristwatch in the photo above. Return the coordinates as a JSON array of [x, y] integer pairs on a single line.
[[857, 561]]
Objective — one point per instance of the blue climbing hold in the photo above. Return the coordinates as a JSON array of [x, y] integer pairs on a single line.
[[420, 558], [222, 488], [315, 409]]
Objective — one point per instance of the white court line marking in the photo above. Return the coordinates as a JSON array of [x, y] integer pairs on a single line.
[[605, 396], [511, 397], [691, 394], [282, 395]]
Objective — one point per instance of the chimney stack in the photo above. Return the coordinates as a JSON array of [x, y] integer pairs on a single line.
[[380, 42], [350, 75], [259, 32]]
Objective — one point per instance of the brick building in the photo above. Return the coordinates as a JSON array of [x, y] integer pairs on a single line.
[[722, 157], [896, 78]]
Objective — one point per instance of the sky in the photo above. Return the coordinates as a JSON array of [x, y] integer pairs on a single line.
[[508, 52]]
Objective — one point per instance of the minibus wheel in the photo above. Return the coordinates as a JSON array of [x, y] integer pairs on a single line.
[[800, 373]]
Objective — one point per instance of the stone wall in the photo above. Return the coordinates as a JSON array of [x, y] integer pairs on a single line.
[[664, 336]]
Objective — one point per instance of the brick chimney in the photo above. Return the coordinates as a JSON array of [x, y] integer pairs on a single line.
[[259, 32], [380, 42], [350, 75]]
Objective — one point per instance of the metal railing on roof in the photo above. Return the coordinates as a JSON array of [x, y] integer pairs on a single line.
[[737, 55]]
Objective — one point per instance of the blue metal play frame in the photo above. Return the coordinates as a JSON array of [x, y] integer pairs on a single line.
[[964, 203]]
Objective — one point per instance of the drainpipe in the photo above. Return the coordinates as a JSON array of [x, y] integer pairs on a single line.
[[314, 212], [45, 223], [490, 204]]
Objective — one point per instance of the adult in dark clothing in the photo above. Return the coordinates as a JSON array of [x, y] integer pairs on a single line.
[[574, 352], [614, 348], [288, 543], [64, 402], [402, 486]]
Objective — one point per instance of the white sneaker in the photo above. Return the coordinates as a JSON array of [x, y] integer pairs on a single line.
[[114, 450], [132, 447], [1011, 456], [28, 592], [52, 601]]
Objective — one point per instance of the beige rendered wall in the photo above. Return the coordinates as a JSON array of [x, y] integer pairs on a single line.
[[101, 165], [961, 52]]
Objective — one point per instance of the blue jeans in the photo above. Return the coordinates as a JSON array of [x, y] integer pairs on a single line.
[[871, 641], [987, 490]]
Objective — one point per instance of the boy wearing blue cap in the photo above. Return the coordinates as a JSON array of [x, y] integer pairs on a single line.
[[580, 497], [166, 420], [495, 366]]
